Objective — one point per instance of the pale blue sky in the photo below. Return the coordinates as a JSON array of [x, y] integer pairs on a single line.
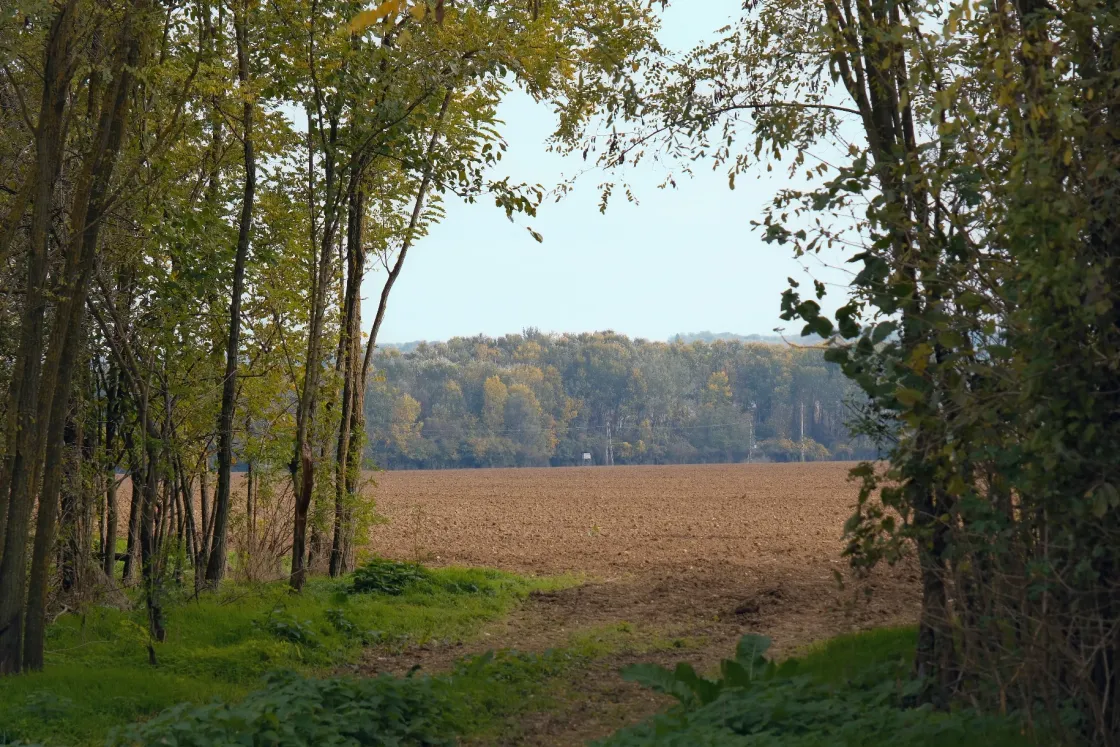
[[682, 260]]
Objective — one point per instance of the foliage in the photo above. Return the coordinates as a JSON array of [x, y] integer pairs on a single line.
[[293, 711], [382, 576], [286, 628], [535, 399], [849, 691]]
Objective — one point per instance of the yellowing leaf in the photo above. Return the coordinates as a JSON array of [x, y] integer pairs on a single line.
[[367, 18], [1067, 157], [419, 10], [908, 397]]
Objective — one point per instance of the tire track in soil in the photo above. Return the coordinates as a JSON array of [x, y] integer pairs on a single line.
[[701, 553]]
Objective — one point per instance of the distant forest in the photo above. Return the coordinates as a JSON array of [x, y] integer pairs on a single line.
[[536, 400]]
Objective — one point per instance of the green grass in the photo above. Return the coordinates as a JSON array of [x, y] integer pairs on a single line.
[[850, 691], [865, 657], [97, 673], [255, 664]]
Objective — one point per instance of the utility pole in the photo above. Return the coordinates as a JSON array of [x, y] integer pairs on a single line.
[[610, 446]]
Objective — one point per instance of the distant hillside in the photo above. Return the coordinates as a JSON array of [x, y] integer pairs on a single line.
[[707, 336]]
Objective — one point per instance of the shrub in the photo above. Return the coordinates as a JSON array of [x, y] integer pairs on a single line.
[[840, 698], [286, 628], [381, 576], [294, 711]]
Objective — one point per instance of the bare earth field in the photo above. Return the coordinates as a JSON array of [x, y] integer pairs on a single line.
[[695, 554]]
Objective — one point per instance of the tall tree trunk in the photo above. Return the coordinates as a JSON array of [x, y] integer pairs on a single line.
[[150, 561], [85, 223], [352, 431], [190, 526], [215, 568], [136, 480], [69, 521], [250, 517], [350, 350], [303, 461], [202, 559], [19, 472], [112, 412]]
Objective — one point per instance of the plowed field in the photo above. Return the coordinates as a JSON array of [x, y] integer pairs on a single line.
[[703, 553], [610, 520]]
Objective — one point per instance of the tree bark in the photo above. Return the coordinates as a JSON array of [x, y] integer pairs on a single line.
[[350, 347], [85, 224], [215, 568], [112, 411], [20, 470], [135, 479], [303, 460]]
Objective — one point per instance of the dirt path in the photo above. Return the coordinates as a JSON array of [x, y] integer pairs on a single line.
[[682, 560], [660, 618]]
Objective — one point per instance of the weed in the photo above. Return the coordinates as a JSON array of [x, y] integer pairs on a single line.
[[380, 576], [848, 692], [284, 627]]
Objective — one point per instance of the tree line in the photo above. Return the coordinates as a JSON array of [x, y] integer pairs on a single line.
[[533, 399], [191, 195]]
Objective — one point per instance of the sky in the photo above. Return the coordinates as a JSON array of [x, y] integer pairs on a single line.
[[682, 260]]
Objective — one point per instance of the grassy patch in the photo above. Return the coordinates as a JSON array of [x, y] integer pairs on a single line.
[[846, 692], [221, 646], [624, 638]]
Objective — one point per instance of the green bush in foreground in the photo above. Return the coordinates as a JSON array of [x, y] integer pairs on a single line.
[[850, 692], [294, 711]]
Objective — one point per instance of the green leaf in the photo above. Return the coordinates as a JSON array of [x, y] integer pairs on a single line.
[[908, 397], [882, 331]]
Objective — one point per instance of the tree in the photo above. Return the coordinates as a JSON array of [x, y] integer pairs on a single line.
[[216, 564], [937, 133], [495, 395]]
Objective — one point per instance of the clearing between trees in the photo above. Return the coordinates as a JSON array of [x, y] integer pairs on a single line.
[[678, 561]]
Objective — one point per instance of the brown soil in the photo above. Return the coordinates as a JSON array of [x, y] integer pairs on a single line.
[[700, 554]]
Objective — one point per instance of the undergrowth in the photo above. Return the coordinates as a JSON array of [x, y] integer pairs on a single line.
[[849, 691], [222, 646], [297, 711]]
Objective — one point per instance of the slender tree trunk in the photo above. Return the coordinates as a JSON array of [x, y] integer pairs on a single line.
[[69, 521], [207, 522], [215, 568], [136, 481], [19, 472], [112, 411], [150, 561], [352, 431], [190, 526], [62, 353], [354, 472], [304, 460], [250, 519], [350, 350]]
